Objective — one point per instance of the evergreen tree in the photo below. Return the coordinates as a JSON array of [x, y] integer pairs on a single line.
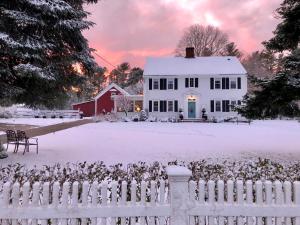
[[120, 74], [279, 95], [232, 50], [43, 54]]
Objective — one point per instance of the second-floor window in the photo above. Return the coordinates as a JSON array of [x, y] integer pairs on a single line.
[[170, 84], [191, 82], [155, 84]]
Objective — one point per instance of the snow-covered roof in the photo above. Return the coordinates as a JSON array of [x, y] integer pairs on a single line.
[[112, 85], [212, 65]]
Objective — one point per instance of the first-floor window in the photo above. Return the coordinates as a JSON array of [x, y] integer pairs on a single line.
[[218, 106], [232, 105], [155, 84], [155, 106], [170, 106]]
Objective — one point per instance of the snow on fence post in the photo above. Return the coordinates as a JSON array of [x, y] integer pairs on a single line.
[[179, 195]]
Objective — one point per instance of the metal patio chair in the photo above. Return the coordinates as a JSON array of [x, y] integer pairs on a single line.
[[23, 139], [12, 138]]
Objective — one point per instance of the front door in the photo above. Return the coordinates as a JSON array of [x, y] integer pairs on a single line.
[[191, 109]]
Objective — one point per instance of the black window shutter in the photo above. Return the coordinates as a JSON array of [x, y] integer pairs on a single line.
[[165, 106], [223, 83], [150, 106], [239, 102], [176, 106], [212, 83], [186, 82], [163, 84], [175, 83], [223, 106], [212, 105], [239, 83], [227, 82], [227, 105], [150, 84], [161, 106], [196, 82]]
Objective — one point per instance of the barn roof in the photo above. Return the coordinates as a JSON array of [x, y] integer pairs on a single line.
[[112, 85], [212, 65]]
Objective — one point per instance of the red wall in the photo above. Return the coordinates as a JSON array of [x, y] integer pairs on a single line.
[[88, 108], [105, 102]]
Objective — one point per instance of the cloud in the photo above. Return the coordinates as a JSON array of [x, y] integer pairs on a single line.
[[130, 30]]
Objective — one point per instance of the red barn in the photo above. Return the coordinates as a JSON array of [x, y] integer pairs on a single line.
[[102, 103]]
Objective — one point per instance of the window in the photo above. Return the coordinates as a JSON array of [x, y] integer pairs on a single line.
[[155, 106], [232, 105], [233, 83], [225, 106], [218, 106], [170, 84], [170, 106], [218, 83], [191, 82], [155, 84], [163, 106]]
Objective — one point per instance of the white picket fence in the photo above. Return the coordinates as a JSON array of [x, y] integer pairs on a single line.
[[30, 113], [176, 202]]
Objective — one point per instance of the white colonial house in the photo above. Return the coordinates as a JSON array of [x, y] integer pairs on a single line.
[[190, 84]]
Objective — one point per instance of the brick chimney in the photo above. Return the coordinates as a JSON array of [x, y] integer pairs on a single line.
[[190, 52]]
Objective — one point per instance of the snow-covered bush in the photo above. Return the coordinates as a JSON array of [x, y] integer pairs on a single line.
[[3, 153], [260, 169], [135, 118], [143, 115], [152, 119], [126, 119], [165, 119]]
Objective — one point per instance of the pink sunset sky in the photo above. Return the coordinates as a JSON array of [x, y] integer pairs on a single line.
[[131, 30]]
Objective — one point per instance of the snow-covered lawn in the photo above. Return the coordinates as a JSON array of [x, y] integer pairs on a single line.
[[143, 141]]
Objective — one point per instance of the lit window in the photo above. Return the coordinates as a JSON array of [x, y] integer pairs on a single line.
[[155, 106], [170, 84], [233, 84], [218, 84], [155, 84], [218, 106], [170, 106]]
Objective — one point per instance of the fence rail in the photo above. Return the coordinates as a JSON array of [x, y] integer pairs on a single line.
[[176, 201]]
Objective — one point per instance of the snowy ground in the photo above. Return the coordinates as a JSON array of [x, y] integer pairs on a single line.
[[132, 142]]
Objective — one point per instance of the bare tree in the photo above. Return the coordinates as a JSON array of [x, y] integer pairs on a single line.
[[207, 40], [124, 103]]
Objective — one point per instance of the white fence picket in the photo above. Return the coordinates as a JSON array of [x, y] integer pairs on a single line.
[[259, 199], [211, 199], [240, 199], [94, 194], [269, 197], [220, 188], [45, 199], [15, 200], [297, 199], [249, 199], [74, 199], [287, 187], [201, 199], [230, 187], [25, 200]]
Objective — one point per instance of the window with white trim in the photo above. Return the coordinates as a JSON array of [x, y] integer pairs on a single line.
[[232, 105], [191, 82], [170, 106], [218, 83], [155, 106], [155, 84], [232, 83], [171, 84]]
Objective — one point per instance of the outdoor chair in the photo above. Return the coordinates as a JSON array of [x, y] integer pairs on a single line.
[[12, 138], [26, 141]]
